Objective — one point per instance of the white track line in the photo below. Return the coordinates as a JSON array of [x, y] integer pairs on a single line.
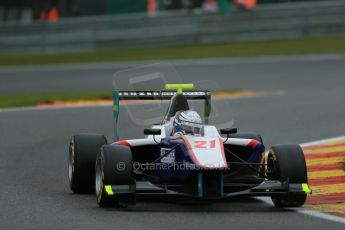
[[321, 215], [308, 212]]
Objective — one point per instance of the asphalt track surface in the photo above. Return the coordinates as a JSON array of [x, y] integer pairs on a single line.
[[296, 73], [33, 161]]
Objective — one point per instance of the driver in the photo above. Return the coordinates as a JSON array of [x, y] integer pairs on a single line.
[[187, 123]]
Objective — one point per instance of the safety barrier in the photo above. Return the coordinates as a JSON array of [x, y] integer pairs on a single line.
[[266, 22]]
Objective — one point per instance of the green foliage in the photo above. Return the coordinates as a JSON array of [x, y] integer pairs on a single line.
[[319, 45]]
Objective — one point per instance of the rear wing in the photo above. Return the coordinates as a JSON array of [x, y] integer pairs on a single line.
[[161, 95], [158, 95]]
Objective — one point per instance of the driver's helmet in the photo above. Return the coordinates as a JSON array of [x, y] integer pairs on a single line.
[[187, 122]]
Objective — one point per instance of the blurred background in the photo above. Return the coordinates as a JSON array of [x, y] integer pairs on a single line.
[[30, 10], [121, 33], [87, 25]]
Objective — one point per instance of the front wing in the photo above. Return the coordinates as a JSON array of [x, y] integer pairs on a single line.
[[266, 188]]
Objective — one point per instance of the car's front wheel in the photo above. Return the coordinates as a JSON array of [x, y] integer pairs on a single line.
[[113, 170], [287, 162], [83, 149]]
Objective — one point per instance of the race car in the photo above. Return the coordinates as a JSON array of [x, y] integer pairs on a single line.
[[184, 157]]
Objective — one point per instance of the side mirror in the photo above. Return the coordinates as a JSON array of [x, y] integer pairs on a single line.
[[152, 131], [228, 131]]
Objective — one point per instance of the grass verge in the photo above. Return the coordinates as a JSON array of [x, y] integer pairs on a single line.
[[32, 99], [320, 45]]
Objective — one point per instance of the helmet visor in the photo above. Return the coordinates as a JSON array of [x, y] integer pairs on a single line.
[[191, 128]]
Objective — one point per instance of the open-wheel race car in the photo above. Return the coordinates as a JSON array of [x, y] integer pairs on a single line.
[[183, 156]]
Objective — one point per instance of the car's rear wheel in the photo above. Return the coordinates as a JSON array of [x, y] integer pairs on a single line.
[[83, 149], [287, 162], [114, 169]]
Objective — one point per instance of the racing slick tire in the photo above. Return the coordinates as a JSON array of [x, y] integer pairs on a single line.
[[114, 168], [287, 162], [83, 149], [247, 135]]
